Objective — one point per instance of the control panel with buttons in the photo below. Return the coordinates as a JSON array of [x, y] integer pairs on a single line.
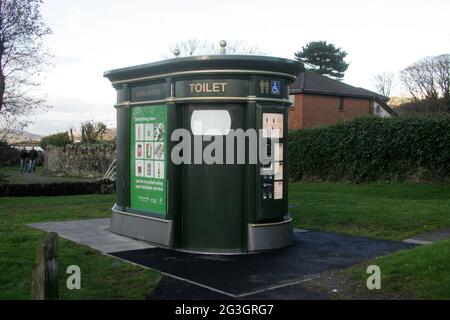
[[267, 187], [272, 173]]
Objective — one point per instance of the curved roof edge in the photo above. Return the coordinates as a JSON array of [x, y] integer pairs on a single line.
[[206, 62]]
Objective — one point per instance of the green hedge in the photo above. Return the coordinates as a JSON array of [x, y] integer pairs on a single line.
[[57, 139], [373, 148], [103, 186]]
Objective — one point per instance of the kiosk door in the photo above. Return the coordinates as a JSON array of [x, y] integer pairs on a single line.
[[212, 214]]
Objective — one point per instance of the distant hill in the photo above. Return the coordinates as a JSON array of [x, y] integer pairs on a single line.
[[109, 135], [16, 136]]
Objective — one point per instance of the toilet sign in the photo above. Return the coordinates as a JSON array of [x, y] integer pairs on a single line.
[[270, 87], [148, 159]]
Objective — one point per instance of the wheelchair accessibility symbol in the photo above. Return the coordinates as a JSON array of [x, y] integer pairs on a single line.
[[276, 87]]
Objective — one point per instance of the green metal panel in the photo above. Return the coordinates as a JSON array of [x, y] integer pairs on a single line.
[[176, 180], [252, 187], [122, 165], [122, 149], [210, 206], [213, 195]]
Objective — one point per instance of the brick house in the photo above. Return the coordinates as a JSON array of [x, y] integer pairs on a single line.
[[319, 100]]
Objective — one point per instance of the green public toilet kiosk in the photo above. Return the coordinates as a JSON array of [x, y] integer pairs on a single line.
[[188, 132]]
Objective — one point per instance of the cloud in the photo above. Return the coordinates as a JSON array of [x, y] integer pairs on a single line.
[[70, 113], [93, 36], [61, 59]]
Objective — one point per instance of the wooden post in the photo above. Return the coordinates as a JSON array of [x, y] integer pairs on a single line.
[[45, 273]]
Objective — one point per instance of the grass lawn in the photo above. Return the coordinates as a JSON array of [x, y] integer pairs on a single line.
[[102, 277], [12, 175], [380, 210], [390, 211], [422, 272]]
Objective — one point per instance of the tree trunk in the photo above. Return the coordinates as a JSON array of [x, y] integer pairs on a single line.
[[2, 78]]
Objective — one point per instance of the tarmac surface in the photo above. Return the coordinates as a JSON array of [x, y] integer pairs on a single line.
[[277, 274]]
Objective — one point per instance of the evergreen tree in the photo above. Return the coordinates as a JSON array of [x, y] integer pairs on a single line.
[[323, 58]]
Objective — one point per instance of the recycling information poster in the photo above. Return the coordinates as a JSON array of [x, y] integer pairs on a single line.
[[148, 187]]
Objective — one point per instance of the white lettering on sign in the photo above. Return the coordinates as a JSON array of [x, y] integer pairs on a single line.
[[148, 92], [208, 87]]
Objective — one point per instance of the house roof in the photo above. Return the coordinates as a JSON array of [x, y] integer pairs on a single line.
[[314, 83]]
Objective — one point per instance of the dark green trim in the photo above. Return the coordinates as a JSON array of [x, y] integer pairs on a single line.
[[171, 176], [145, 213], [156, 91], [177, 183], [251, 170], [123, 93], [123, 157], [243, 62]]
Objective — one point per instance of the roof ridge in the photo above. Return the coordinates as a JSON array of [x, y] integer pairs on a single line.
[[313, 81]]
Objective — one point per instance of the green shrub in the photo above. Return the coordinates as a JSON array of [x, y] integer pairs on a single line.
[[423, 107], [103, 186], [57, 139], [373, 148]]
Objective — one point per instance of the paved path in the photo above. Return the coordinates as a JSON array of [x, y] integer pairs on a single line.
[[92, 233], [430, 237]]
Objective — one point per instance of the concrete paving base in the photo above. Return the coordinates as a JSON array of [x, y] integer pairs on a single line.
[[92, 233], [430, 237]]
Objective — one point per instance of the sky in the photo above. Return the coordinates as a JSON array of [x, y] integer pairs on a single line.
[[92, 36]]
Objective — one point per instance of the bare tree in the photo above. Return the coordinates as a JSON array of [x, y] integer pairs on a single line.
[[384, 82], [90, 131], [428, 78], [22, 59], [196, 46], [190, 47], [442, 74]]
